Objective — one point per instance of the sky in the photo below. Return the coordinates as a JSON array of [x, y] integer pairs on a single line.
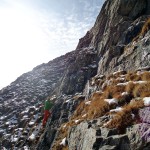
[[33, 32]]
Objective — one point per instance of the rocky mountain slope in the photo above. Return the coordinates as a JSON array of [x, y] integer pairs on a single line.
[[22, 99], [95, 107]]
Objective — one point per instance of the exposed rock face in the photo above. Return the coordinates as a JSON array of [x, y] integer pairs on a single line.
[[89, 136], [115, 42], [116, 26], [82, 66], [67, 74]]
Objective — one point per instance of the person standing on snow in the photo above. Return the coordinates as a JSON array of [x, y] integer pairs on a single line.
[[47, 113]]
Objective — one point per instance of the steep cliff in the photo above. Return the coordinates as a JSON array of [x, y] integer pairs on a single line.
[[118, 23], [95, 107]]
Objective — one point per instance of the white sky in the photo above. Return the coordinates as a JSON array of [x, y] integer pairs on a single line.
[[36, 31]]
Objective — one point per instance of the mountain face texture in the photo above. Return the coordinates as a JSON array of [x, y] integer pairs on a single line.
[[118, 23], [101, 90]]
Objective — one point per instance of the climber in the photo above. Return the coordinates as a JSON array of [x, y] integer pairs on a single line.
[[47, 110]]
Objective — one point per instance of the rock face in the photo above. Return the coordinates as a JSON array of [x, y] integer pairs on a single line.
[[67, 74], [81, 66], [116, 26], [119, 40], [89, 136]]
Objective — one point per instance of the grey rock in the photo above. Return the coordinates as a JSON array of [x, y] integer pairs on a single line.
[[81, 137], [108, 147], [134, 136], [84, 136], [105, 132]]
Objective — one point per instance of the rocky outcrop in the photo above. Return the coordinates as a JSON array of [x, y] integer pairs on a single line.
[[85, 41], [89, 136], [132, 52], [123, 24], [119, 40], [62, 111], [67, 74], [82, 66], [118, 23]]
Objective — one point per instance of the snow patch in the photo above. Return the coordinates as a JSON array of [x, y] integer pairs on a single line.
[[124, 93], [93, 66], [76, 121], [139, 82], [53, 97], [84, 115], [32, 137], [117, 109], [146, 101], [68, 100], [63, 142], [31, 123], [120, 79], [139, 73], [88, 102], [111, 101], [14, 138], [64, 126], [35, 133], [3, 117], [133, 116], [25, 116], [124, 84], [26, 148]]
